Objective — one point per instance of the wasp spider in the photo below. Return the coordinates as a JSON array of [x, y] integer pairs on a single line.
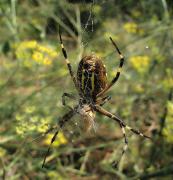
[[91, 84]]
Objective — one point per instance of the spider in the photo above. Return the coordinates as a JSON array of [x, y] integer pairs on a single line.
[[92, 85]]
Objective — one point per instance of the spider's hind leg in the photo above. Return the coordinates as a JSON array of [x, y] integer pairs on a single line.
[[123, 127], [115, 163], [119, 121], [61, 123]]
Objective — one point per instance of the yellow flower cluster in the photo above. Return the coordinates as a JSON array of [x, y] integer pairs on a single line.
[[140, 63], [61, 139], [133, 28], [168, 129], [27, 121], [28, 50]]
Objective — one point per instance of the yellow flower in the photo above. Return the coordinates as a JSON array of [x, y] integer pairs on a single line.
[[131, 27], [28, 121], [47, 50], [43, 126], [27, 45], [53, 54], [46, 61], [30, 44], [41, 48], [27, 50], [61, 139], [30, 128], [20, 130], [140, 63], [37, 56]]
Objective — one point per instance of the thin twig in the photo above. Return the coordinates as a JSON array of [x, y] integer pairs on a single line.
[[86, 157]]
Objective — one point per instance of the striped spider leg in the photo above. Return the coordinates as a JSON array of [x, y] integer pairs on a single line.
[[72, 111], [103, 100], [123, 127], [61, 123], [69, 64], [115, 79]]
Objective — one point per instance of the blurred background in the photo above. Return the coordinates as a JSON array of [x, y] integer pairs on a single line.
[[33, 77]]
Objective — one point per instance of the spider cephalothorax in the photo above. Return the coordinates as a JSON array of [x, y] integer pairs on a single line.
[[91, 84]]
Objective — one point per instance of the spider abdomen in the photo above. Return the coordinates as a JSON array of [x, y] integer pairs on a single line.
[[91, 76]]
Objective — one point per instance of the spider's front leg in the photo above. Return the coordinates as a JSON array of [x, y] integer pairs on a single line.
[[123, 127], [115, 79], [70, 96], [61, 123], [69, 64]]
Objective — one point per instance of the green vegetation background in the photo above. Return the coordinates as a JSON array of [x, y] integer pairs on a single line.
[[33, 77]]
